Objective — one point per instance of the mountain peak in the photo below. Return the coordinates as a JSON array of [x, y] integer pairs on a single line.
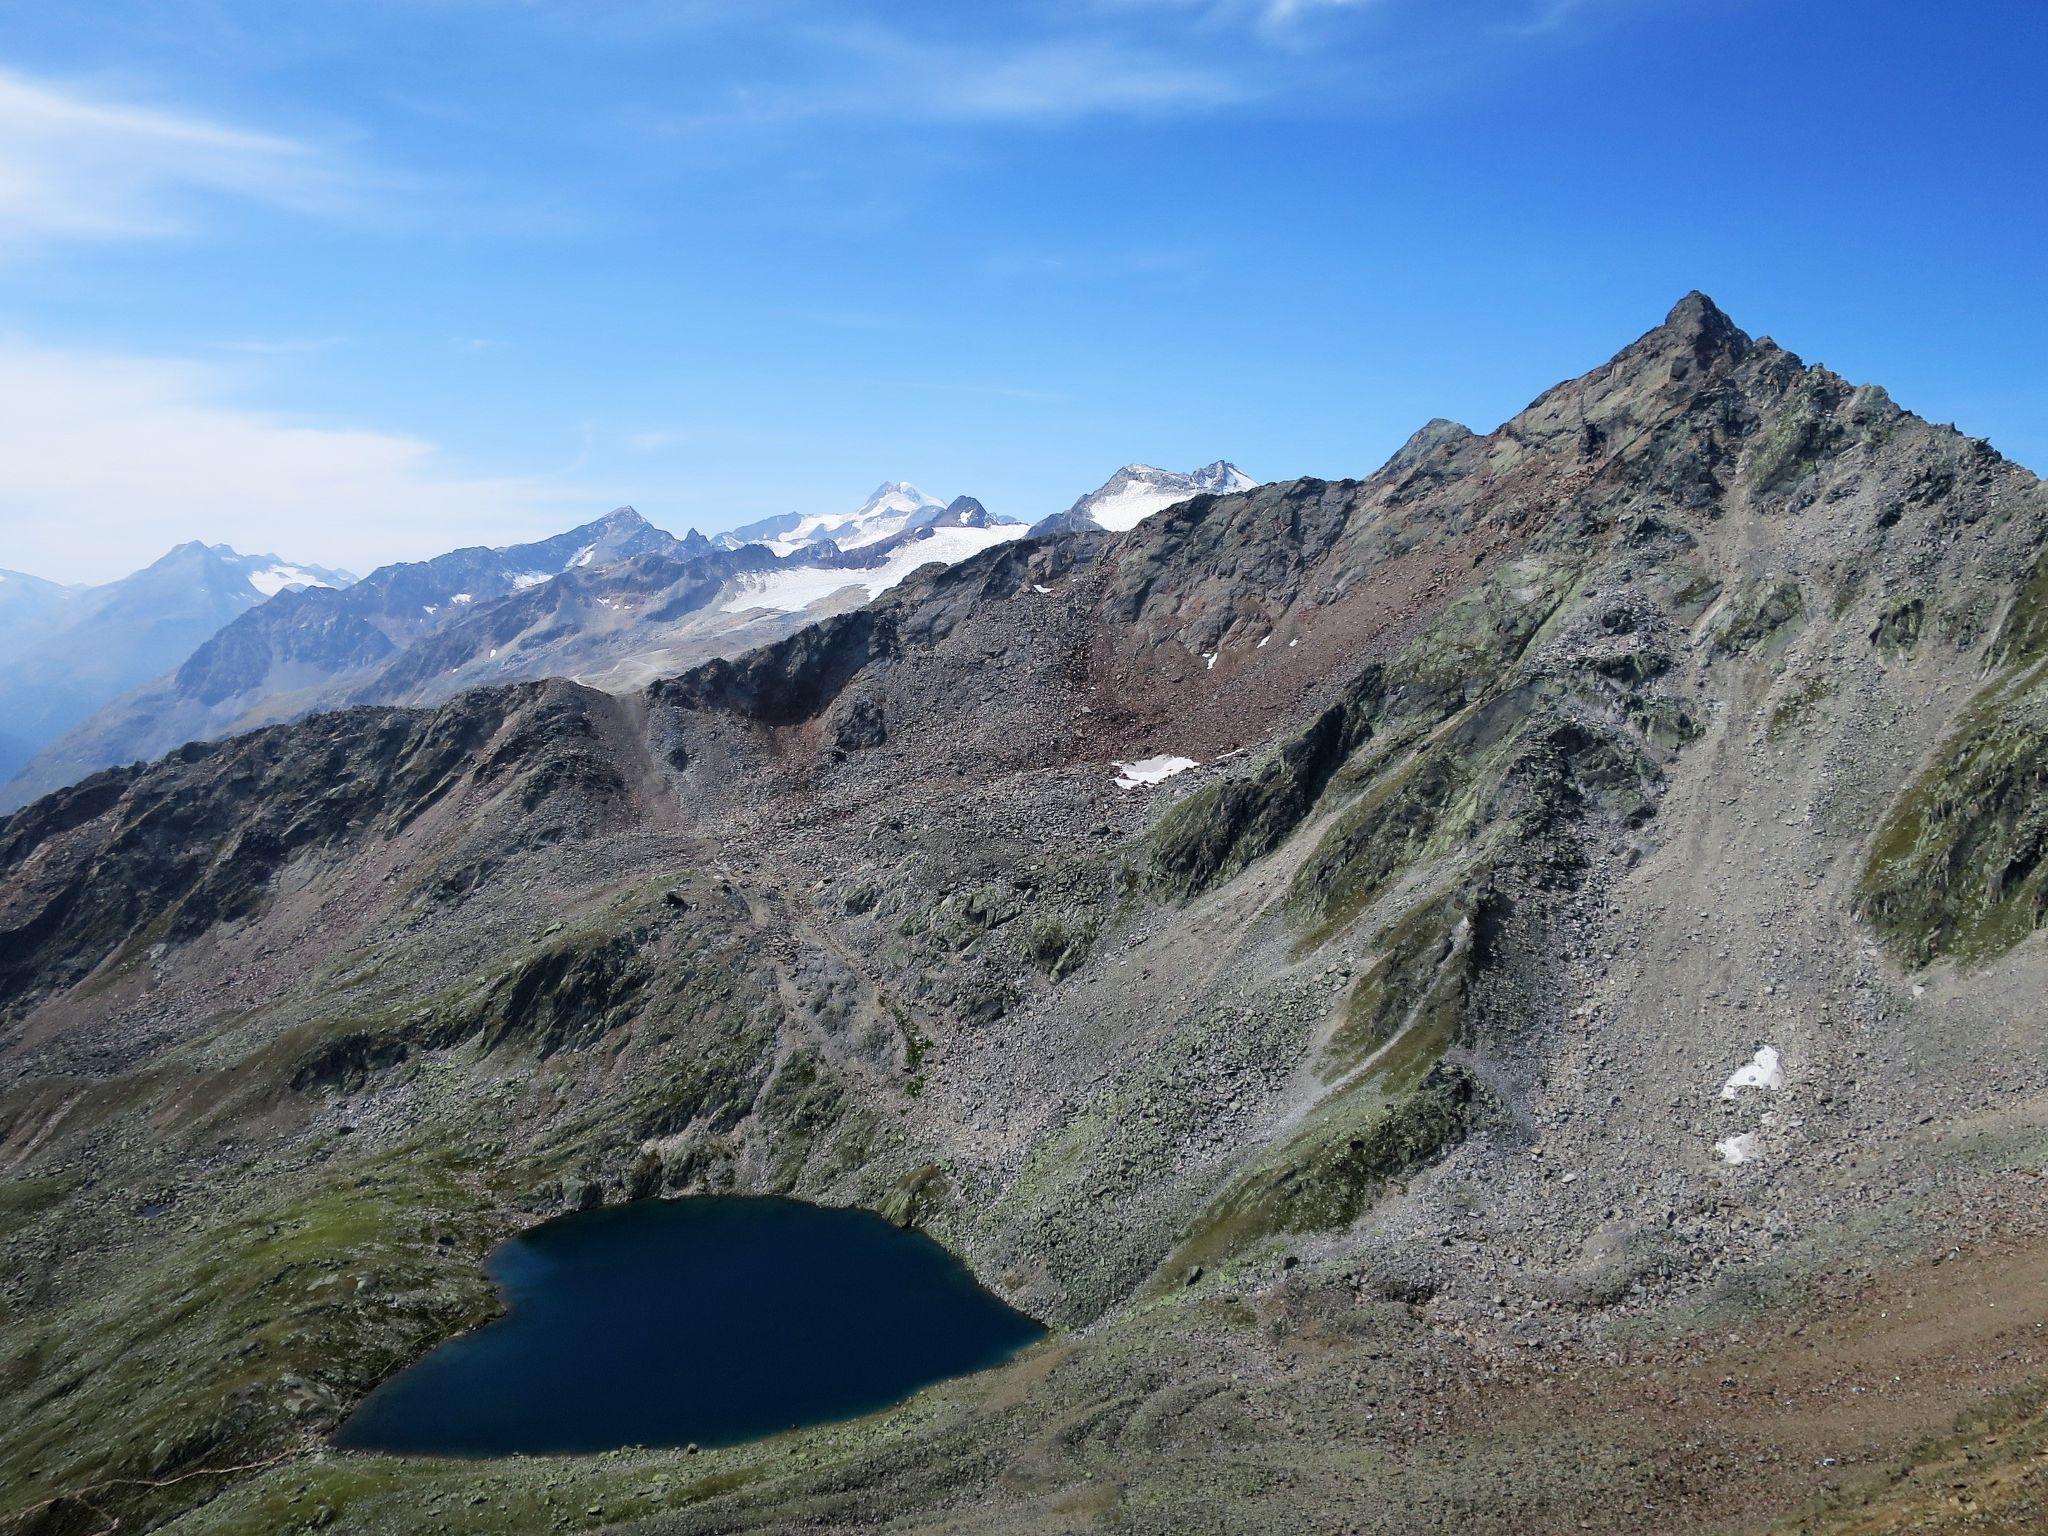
[[896, 496], [961, 512], [1136, 491], [1661, 373], [1698, 325], [1433, 436], [1695, 312]]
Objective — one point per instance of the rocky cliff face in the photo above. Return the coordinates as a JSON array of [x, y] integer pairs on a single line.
[[1385, 1089]]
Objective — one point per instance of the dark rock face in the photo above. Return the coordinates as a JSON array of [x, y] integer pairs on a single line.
[[1515, 796], [962, 512], [792, 681], [563, 622], [317, 630], [168, 851]]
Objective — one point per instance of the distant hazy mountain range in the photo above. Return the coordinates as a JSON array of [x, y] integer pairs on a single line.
[[311, 646], [67, 650], [207, 642]]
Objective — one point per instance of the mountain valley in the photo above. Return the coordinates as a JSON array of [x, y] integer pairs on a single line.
[[1499, 996]]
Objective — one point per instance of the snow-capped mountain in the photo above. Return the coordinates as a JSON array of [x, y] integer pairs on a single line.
[[616, 598], [841, 559], [619, 535], [1136, 491], [895, 531], [894, 506]]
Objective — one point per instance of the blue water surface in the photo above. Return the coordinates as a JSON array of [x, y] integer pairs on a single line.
[[708, 1320]]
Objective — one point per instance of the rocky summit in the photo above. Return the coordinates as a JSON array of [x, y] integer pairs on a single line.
[[1502, 996]]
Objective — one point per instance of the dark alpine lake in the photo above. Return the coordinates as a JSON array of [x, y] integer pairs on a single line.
[[708, 1320]]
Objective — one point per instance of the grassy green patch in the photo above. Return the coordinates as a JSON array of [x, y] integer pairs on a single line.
[[1325, 1175], [2024, 634], [1960, 867], [1761, 617], [221, 1342], [1419, 976]]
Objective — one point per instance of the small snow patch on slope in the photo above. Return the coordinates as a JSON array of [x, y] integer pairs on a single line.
[[1737, 1149], [1764, 1070], [1151, 770]]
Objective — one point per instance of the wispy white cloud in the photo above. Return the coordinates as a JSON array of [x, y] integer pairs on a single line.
[[1082, 59], [277, 346], [1549, 16], [654, 439], [1217, 17], [872, 70], [79, 166], [113, 458], [1063, 61], [1283, 12], [1064, 80]]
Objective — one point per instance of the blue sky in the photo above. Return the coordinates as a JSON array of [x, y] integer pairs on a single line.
[[365, 281]]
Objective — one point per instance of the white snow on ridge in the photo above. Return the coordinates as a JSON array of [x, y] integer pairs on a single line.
[[797, 588], [1132, 504], [273, 579], [582, 556], [882, 516], [1764, 1070], [523, 579], [1151, 770], [1147, 489]]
